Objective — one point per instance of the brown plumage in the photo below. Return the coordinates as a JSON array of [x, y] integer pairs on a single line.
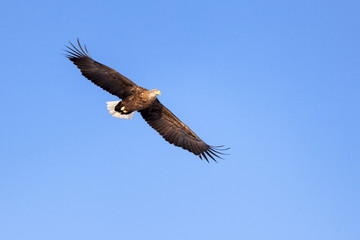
[[135, 98]]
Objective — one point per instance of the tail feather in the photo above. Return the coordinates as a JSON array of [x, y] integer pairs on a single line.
[[111, 107]]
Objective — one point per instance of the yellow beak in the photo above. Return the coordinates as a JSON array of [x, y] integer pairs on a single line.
[[158, 92]]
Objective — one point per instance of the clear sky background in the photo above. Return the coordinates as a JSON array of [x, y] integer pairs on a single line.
[[277, 81]]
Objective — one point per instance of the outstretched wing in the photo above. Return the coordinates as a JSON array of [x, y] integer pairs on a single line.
[[103, 76], [176, 132]]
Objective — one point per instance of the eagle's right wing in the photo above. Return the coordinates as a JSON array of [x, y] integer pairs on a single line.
[[101, 75], [176, 132]]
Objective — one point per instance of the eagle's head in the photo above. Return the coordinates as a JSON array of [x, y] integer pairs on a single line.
[[155, 92]]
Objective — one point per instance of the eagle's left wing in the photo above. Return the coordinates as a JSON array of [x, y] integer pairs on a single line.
[[101, 75]]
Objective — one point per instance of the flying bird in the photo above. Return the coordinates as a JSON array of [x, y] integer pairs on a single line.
[[136, 98]]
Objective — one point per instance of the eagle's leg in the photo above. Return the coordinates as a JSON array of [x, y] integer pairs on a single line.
[[111, 106], [121, 108]]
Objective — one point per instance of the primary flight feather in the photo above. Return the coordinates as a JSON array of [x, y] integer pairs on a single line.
[[135, 98]]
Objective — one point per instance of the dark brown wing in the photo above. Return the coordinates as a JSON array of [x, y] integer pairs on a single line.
[[103, 76], [176, 132]]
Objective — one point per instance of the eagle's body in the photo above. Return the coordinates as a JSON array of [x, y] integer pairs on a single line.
[[135, 98], [141, 99]]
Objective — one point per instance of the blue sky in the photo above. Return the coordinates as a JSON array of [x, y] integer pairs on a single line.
[[277, 81]]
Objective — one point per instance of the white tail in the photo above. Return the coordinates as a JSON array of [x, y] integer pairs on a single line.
[[111, 107]]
